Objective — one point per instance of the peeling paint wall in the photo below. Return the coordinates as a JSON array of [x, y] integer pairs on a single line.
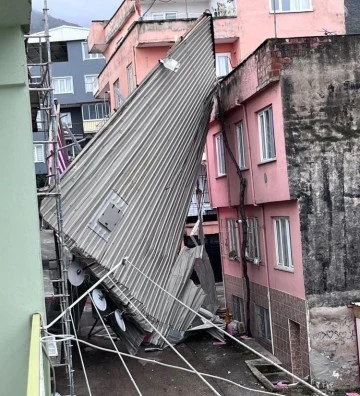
[[321, 106]]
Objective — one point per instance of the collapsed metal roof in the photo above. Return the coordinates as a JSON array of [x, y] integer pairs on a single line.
[[127, 194]]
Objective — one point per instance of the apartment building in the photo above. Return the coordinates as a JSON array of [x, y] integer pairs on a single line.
[[291, 117], [74, 79]]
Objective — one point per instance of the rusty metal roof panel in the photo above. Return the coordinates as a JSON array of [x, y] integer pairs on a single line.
[[127, 194]]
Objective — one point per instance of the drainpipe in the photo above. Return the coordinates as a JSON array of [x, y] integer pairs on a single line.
[[135, 73], [263, 221], [267, 278]]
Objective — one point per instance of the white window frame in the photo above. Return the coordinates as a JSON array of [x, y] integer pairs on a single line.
[[283, 244], [130, 77], [88, 84], [219, 55], [117, 94], [166, 14], [253, 240], [67, 116], [241, 145], [233, 236], [56, 79], [300, 9], [266, 133], [220, 154], [86, 55], [39, 159], [95, 104], [262, 323], [157, 16]]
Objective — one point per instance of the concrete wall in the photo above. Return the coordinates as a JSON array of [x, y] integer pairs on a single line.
[[352, 19], [321, 101], [21, 292]]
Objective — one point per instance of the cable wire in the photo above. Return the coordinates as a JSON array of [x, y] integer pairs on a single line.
[[118, 352], [80, 354], [166, 341], [226, 333], [174, 367]]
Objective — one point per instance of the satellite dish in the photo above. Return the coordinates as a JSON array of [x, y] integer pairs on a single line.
[[99, 299], [119, 320], [76, 274]]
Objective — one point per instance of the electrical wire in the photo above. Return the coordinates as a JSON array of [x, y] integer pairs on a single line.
[[80, 354], [224, 332], [118, 352], [166, 341], [172, 366]]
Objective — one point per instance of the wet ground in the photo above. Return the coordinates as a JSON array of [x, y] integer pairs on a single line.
[[107, 376]]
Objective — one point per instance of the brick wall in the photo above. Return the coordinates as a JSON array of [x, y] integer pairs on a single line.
[[294, 355], [284, 308]]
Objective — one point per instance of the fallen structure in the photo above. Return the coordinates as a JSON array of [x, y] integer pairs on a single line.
[[127, 194]]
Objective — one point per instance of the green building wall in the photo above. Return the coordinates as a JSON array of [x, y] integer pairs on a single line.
[[21, 289]]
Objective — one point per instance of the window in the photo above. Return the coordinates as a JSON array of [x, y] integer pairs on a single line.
[[170, 15], [91, 83], [63, 85], [290, 5], [262, 323], [238, 309], [87, 56], [220, 154], [117, 94], [35, 79], [223, 64], [283, 242], [95, 111], [66, 119], [233, 234], [39, 154], [130, 77], [252, 248], [266, 129], [241, 146], [163, 15]]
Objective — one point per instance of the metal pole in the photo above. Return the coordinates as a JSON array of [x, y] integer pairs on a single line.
[[274, 10], [54, 125]]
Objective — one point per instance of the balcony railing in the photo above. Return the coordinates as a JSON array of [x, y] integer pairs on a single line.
[[222, 11]]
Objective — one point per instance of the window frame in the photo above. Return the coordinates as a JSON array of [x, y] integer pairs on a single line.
[[279, 264], [263, 329], [95, 76], [263, 140], [95, 104], [233, 236], [220, 155], [57, 78], [220, 55], [253, 234], [280, 11], [35, 154], [170, 12], [67, 114], [241, 147], [240, 303], [86, 55]]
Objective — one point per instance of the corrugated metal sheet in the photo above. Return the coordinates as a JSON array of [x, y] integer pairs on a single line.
[[127, 194]]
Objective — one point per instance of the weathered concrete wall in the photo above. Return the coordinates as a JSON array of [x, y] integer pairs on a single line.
[[352, 16], [321, 106], [333, 355]]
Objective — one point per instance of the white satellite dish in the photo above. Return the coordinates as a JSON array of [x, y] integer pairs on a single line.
[[119, 320], [76, 274], [99, 299]]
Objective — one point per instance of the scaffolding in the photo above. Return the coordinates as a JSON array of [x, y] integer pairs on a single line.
[[45, 112]]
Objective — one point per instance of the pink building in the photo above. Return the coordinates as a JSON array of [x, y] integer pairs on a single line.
[[291, 117]]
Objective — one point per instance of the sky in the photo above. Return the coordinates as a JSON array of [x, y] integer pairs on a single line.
[[81, 12]]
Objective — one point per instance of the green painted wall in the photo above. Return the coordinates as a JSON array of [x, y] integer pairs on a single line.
[[21, 288]]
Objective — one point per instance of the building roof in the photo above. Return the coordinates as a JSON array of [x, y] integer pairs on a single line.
[[64, 33]]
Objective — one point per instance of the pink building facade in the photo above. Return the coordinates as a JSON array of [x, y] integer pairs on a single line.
[[290, 112]]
